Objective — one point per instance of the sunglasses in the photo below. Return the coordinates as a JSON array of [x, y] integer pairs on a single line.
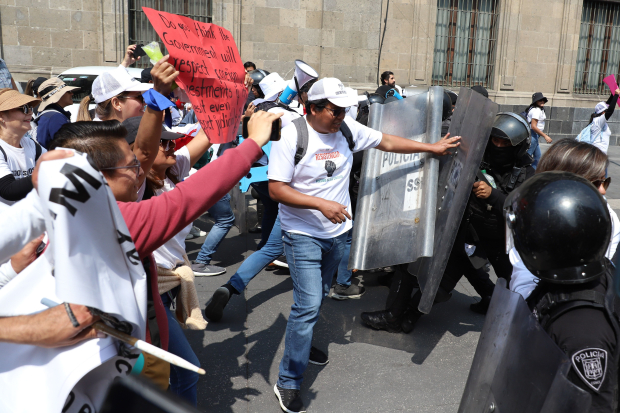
[[139, 98], [26, 109], [135, 165], [167, 144], [337, 112], [605, 182]]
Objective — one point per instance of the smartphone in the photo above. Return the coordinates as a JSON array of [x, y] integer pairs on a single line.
[[138, 51], [276, 127]]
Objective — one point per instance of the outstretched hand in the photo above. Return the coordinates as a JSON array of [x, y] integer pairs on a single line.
[[163, 74], [443, 146]]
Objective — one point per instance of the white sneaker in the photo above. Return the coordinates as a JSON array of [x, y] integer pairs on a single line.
[[197, 232], [189, 236]]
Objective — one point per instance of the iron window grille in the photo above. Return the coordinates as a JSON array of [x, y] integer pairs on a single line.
[[141, 31], [598, 53], [465, 39]]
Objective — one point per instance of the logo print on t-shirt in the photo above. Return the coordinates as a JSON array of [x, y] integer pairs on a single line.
[[330, 167]]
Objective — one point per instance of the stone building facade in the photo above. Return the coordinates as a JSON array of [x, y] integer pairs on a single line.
[[535, 44]]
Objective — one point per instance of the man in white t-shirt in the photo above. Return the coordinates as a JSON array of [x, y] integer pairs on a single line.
[[314, 204]]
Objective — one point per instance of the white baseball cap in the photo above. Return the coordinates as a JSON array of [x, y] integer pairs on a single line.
[[114, 82], [601, 106], [333, 90], [272, 85]]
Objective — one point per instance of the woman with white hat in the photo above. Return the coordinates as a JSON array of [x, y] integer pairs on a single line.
[[18, 153], [536, 117], [55, 96], [599, 131]]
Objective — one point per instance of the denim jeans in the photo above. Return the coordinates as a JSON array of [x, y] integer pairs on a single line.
[[312, 262], [535, 149], [224, 219], [258, 260], [270, 213], [182, 382], [344, 274]]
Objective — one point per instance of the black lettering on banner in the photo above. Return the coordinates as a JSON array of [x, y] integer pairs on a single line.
[[132, 254], [86, 409], [223, 35], [208, 33], [120, 363], [167, 22], [60, 195], [189, 48], [68, 402]]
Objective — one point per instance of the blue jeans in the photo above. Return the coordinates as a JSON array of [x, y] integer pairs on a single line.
[[312, 262], [535, 149], [182, 382], [258, 260], [344, 274], [270, 213], [224, 219]]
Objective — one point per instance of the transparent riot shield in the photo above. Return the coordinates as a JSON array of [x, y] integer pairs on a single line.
[[472, 120], [395, 217], [517, 368]]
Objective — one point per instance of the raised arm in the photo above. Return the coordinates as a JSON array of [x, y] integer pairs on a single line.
[[146, 145], [396, 144], [198, 146]]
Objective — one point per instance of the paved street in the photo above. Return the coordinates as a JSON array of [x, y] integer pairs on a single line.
[[369, 371]]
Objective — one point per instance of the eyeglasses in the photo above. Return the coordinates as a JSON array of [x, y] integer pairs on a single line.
[[136, 165], [167, 144], [26, 109], [337, 112], [605, 182], [139, 98]]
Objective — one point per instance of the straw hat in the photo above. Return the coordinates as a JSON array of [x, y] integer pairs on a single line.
[[11, 99], [52, 90]]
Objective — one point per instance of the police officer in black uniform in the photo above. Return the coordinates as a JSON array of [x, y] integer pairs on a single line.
[[506, 165], [560, 226]]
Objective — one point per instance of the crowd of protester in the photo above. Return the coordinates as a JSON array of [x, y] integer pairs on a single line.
[[156, 174]]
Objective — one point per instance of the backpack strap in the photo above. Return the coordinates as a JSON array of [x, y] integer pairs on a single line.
[[302, 138], [4, 154], [553, 305], [37, 150], [344, 128]]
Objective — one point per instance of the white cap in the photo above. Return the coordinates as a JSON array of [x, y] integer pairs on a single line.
[[272, 85], [333, 90], [114, 82], [601, 106]]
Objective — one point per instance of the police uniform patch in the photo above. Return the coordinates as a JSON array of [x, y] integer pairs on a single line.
[[591, 366]]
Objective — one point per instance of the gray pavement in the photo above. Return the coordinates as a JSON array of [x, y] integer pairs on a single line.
[[369, 371]]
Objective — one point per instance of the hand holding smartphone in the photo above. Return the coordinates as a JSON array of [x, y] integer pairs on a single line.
[[276, 127]]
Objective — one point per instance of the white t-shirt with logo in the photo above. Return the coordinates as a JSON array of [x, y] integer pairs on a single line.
[[171, 253], [538, 114], [19, 162], [323, 172]]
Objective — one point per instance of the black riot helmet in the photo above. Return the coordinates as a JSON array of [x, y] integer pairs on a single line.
[[447, 106], [560, 226], [374, 98], [258, 75], [514, 128]]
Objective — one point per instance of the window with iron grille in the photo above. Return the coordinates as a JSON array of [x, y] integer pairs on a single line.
[[598, 54], [140, 29], [465, 38]]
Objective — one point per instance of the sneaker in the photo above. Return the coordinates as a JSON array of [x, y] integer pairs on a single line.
[[382, 320], [317, 357], [189, 236], [342, 292], [280, 262], [215, 309], [197, 232], [206, 270], [482, 306], [289, 399]]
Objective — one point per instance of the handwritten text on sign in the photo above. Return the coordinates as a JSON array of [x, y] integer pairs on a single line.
[[211, 72]]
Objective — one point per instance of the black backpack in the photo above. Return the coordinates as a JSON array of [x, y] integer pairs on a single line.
[[302, 137]]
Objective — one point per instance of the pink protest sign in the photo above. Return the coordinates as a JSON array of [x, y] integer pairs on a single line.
[[211, 71], [610, 81]]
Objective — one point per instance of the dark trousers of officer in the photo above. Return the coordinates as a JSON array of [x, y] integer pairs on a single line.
[[270, 213], [459, 265]]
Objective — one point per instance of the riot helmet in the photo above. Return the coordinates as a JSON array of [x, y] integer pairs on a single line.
[[515, 130], [453, 96], [258, 75], [374, 98], [447, 106], [560, 226], [390, 99]]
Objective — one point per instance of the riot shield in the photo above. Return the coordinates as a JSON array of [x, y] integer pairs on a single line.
[[517, 368], [395, 216], [472, 120]]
